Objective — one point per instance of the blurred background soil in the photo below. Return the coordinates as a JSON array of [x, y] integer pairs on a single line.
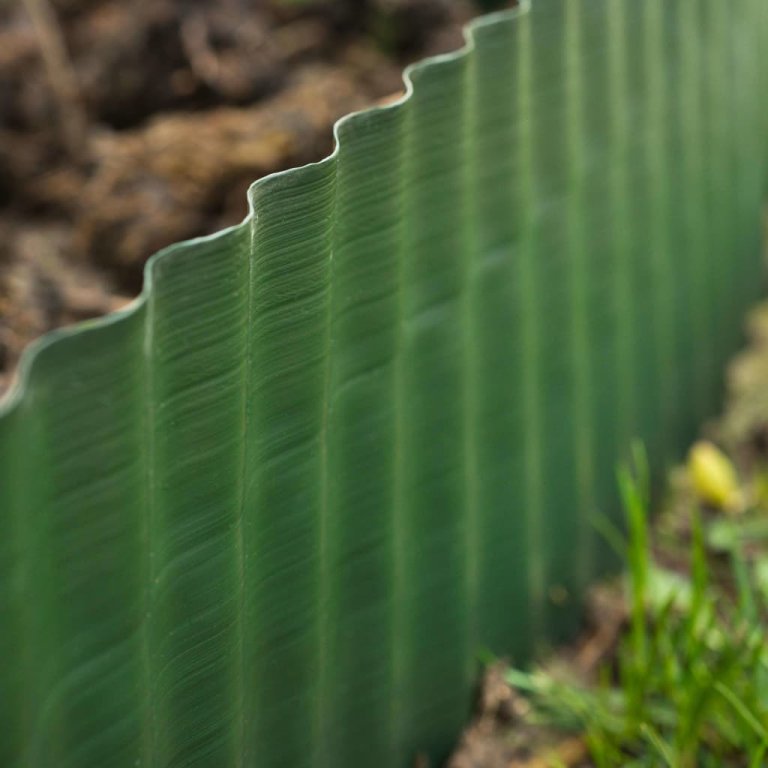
[[127, 125]]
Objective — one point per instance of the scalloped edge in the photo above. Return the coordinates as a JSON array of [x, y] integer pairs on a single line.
[[20, 382]]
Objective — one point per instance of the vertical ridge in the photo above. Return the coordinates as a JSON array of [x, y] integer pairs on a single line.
[[732, 258], [399, 683], [241, 757], [618, 83], [195, 339], [718, 246], [691, 106], [292, 252], [362, 432], [681, 259], [749, 143], [324, 585], [503, 605], [530, 348], [19, 507], [623, 372], [581, 360], [550, 299], [42, 629], [434, 232], [148, 566], [11, 608], [631, 117], [710, 213], [470, 366], [660, 255], [84, 581]]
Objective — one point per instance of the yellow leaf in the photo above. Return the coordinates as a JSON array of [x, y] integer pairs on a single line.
[[713, 477]]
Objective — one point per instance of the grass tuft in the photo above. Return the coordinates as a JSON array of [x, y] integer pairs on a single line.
[[688, 685]]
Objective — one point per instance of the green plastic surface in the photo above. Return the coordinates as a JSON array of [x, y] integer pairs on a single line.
[[268, 516]]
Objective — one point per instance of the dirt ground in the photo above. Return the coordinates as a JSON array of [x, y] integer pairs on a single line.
[[501, 735], [128, 125]]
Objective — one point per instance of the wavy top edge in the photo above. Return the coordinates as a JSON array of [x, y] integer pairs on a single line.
[[22, 377]]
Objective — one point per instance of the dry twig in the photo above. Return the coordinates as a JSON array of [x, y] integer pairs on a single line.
[[61, 74]]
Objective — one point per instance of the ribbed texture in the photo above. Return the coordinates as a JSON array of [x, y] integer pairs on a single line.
[[270, 514]]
